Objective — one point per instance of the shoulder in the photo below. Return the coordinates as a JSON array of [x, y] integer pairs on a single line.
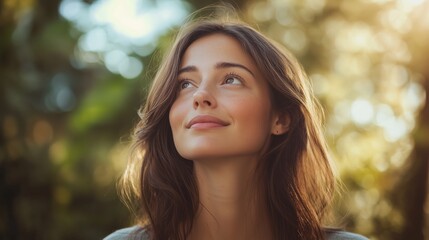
[[134, 232], [343, 235]]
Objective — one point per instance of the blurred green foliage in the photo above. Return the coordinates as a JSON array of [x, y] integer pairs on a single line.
[[66, 111]]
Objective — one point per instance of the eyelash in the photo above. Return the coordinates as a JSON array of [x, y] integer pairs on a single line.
[[227, 76], [232, 74]]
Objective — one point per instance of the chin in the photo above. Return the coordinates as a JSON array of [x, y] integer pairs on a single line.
[[199, 154], [198, 148]]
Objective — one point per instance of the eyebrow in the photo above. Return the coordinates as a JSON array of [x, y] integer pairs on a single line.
[[218, 66]]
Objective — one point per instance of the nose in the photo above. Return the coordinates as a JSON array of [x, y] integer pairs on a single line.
[[203, 98]]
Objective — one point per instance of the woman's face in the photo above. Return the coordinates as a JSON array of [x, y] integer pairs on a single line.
[[223, 108]]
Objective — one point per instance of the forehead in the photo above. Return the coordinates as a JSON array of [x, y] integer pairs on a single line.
[[215, 48]]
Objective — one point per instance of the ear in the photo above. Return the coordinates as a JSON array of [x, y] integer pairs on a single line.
[[281, 122]]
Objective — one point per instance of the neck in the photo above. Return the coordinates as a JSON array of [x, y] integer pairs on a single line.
[[229, 204]]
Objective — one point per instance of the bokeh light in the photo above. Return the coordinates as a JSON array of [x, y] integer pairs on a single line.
[[130, 27]]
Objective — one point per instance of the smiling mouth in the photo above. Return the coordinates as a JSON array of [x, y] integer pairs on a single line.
[[205, 121]]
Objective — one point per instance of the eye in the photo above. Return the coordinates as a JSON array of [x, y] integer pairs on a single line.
[[233, 79], [185, 84]]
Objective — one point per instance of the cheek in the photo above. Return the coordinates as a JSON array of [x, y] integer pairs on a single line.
[[177, 115], [255, 115], [174, 116], [254, 124]]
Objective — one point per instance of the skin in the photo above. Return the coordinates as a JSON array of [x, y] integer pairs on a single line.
[[223, 120]]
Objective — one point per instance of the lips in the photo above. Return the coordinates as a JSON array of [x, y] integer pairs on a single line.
[[206, 121]]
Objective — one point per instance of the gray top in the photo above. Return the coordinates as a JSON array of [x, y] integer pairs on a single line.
[[128, 233], [134, 233]]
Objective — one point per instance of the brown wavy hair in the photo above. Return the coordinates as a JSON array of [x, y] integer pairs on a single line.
[[296, 172]]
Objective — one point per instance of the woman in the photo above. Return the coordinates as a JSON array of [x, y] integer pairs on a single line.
[[229, 145]]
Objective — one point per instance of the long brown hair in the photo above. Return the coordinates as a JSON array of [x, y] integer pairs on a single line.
[[296, 172]]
